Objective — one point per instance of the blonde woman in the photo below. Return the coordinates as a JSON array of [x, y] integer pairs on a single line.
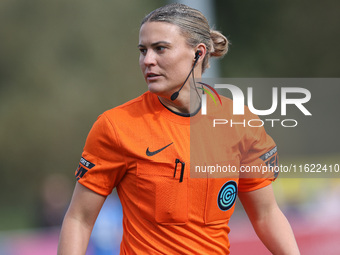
[[142, 148]]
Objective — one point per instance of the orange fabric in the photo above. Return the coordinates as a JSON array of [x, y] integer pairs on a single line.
[[163, 215]]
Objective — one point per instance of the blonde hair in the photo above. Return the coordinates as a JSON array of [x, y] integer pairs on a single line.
[[194, 26]]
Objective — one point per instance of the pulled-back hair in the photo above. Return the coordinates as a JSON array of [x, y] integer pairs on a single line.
[[194, 26]]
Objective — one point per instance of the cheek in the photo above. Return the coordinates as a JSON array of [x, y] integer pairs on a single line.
[[180, 66], [141, 63]]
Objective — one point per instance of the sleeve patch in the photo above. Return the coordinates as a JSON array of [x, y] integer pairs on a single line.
[[86, 163], [269, 154], [271, 160], [80, 172]]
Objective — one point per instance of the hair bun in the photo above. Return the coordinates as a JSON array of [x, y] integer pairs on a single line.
[[220, 44]]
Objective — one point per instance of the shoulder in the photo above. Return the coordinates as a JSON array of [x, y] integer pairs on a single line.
[[133, 108], [123, 118]]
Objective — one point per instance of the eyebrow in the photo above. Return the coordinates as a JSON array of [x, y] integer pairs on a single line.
[[155, 44]]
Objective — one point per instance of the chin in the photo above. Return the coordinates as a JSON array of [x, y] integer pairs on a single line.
[[158, 90]]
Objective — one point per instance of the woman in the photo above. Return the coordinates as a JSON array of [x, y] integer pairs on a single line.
[[143, 149]]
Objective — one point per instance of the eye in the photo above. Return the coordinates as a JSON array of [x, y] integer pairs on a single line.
[[142, 51], [160, 48]]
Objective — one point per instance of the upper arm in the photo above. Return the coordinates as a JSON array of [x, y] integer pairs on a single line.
[[258, 203], [85, 205], [79, 220], [268, 221]]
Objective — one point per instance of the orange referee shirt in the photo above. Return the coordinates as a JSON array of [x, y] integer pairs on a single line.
[[143, 149]]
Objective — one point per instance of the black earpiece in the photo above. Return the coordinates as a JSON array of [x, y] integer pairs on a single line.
[[197, 56]]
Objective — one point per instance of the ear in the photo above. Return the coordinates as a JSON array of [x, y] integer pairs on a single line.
[[203, 49]]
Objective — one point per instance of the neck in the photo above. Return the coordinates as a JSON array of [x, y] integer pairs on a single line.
[[188, 100]]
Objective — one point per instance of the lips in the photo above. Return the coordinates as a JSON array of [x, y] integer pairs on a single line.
[[149, 74], [152, 76]]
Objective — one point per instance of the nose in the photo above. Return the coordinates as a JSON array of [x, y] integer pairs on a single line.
[[149, 58]]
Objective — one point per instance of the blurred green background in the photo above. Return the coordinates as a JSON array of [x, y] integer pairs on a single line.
[[62, 63]]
